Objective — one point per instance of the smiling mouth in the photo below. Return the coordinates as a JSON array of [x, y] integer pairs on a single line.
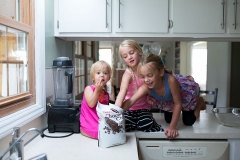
[[131, 61], [149, 83]]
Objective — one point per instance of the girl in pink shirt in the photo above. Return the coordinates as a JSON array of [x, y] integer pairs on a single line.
[[100, 74], [138, 116]]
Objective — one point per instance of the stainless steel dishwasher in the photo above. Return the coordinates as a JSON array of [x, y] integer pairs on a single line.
[[183, 149]]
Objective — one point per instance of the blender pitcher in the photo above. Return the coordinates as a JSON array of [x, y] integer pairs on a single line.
[[63, 82]]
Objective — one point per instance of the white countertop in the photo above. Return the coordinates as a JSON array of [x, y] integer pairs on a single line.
[[205, 127], [80, 147], [77, 146]]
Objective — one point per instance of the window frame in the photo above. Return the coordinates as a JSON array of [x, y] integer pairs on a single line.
[[32, 111], [8, 104], [84, 56]]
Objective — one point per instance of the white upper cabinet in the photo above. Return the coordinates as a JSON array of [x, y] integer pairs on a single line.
[[198, 16], [117, 19], [233, 18], [141, 16], [84, 15]]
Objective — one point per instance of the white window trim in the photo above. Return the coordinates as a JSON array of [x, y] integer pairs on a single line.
[[28, 114]]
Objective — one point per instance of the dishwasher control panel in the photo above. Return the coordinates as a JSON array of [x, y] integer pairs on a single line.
[[183, 152], [183, 149]]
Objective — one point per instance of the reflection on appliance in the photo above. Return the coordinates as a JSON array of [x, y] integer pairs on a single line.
[[183, 149], [63, 82]]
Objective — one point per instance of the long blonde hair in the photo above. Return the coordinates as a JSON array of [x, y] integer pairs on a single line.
[[136, 47]]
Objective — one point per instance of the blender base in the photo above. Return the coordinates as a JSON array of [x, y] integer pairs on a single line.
[[63, 120]]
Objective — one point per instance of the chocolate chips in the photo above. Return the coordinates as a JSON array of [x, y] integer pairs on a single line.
[[113, 125]]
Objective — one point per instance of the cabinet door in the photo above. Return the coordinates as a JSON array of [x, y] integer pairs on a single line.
[[233, 16], [198, 16], [149, 16], [84, 15]]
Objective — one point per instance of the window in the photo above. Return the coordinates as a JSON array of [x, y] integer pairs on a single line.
[[199, 63], [13, 62], [16, 56], [24, 33], [106, 55], [84, 58]]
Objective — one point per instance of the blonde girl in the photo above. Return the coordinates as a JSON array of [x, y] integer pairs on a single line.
[[100, 74], [173, 93], [137, 117]]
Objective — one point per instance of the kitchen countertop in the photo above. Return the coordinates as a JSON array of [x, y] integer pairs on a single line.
[[205, 127], [80, 147]]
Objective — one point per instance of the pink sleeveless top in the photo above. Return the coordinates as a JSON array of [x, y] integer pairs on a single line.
[[88, 116], [142, 102]]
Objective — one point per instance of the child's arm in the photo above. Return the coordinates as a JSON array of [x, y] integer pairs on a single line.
[[142, 90], [92, 96], [126, 79], [171, 131]]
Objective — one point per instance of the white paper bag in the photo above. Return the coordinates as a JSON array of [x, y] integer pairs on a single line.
[[111, 127]]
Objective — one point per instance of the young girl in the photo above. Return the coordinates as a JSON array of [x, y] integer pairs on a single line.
[[100, 74], [173, 93], [138, 116]]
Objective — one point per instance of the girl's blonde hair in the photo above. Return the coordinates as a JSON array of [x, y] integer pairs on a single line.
[[98, 65], [131, 43], [136, 47], [155, 60]]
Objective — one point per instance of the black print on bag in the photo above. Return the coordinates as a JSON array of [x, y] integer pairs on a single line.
[[114, 110], [113, 126]]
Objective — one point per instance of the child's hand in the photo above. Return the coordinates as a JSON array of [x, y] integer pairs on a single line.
[[171, 133], [151, 100], [99, 85]]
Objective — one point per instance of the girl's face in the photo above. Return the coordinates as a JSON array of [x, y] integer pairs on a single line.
[[130, 56], [151, 76], [101, 75]]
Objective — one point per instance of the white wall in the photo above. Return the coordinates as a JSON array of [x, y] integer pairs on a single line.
[[218, 70]]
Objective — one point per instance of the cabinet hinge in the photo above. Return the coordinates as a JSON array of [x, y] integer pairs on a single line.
[[57, 24]]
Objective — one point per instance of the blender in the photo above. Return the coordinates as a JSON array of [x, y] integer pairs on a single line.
[[63, 115], [63, 82]]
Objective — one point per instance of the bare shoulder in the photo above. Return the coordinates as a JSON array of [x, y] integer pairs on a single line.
[[126, 77], [173, 83], [144, 88], [172, 80], [88, 90]]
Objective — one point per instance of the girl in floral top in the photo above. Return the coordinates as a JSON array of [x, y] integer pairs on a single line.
[[172, 93], [100, 74]]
